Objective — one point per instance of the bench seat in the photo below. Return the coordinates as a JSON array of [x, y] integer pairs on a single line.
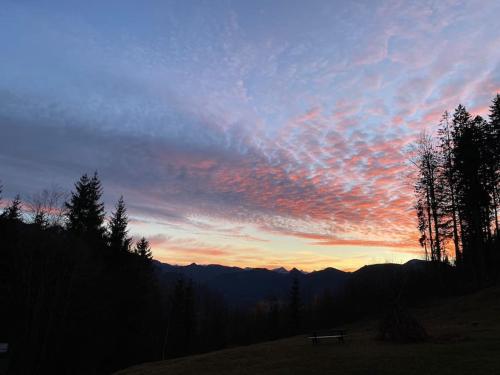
[[333, 334]]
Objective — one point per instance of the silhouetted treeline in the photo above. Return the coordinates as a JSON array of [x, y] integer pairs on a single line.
[[457, 190], [77, 296], [81, 298]]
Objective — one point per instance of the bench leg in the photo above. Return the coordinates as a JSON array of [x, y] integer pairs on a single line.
[[314, 338]]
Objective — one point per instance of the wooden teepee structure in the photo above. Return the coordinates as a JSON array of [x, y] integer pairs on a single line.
[[400, 326]]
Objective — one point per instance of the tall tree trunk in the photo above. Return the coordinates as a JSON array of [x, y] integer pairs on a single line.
[[451, 185], [434, 213], [458, 253], [495, 209], [429, 220]]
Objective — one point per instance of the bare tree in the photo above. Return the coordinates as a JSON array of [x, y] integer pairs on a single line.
[[47, 206], [429, 196]]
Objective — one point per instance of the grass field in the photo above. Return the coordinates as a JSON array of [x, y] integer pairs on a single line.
[[465, 340]]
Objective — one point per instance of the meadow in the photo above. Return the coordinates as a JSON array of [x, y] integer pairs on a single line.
[[464, 339]]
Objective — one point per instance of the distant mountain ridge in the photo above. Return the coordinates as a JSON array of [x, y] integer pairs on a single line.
[[245, 286], [280, 270]]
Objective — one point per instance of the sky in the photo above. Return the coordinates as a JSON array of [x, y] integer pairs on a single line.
[[247, 133]]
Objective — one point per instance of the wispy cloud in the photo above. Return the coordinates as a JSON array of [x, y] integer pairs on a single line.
[[233, 134]]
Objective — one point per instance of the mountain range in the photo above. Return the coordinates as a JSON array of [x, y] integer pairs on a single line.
[[246, 286]]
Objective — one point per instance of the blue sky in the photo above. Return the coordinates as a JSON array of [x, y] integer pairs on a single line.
[[255, 133]]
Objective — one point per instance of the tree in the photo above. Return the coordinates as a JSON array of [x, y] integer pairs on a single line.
[[41, 220], [457, 190], [422, 225], [295, 305], [85, 211], [447, 181], [47, 207], [118, 239], [13, 211], [493, 146], [473, 200], [180, 325], [143, 249], [429, 196], [61, 295], [189, 315]]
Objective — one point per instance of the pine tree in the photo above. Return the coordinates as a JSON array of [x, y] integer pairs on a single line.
[[447, 181], [473, 200], [13, 212], [493, 145], [118, 239], [457, 190], [495, 122], [143, 249], [295, 305], [485, 174], [85, 210]]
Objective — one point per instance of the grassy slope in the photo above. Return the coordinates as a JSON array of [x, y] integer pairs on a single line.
[[465, 340]]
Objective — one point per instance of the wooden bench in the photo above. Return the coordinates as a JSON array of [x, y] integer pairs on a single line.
[[338, 334]]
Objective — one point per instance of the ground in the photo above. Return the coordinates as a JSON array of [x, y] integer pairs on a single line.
[[465, 340]]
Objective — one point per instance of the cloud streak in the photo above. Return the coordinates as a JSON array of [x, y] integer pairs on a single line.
[[233, 135]]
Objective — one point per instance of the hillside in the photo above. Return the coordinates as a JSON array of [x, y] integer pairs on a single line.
[[465, 339], [247, 286]]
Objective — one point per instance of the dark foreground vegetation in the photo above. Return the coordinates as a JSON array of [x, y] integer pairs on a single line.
[[77, 296], [464, 339], [81, 297], [457, 188]]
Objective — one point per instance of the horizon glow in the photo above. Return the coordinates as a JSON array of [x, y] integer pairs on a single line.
[[259, 134]]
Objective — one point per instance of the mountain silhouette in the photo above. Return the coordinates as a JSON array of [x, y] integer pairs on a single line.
[[246, 286]]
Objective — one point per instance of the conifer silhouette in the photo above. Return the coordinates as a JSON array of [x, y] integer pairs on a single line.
[[85, 210], [13, 211], [143, 249], [118, 238]]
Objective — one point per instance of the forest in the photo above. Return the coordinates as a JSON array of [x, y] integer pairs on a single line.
[[457, 187], [83, 297]]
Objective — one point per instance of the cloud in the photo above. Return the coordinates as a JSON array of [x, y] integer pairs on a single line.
[[227, 116]]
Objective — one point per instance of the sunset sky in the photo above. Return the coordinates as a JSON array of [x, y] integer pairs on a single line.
[[249, 133]]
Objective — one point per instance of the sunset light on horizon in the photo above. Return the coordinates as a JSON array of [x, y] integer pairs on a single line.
[[243, 133]]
